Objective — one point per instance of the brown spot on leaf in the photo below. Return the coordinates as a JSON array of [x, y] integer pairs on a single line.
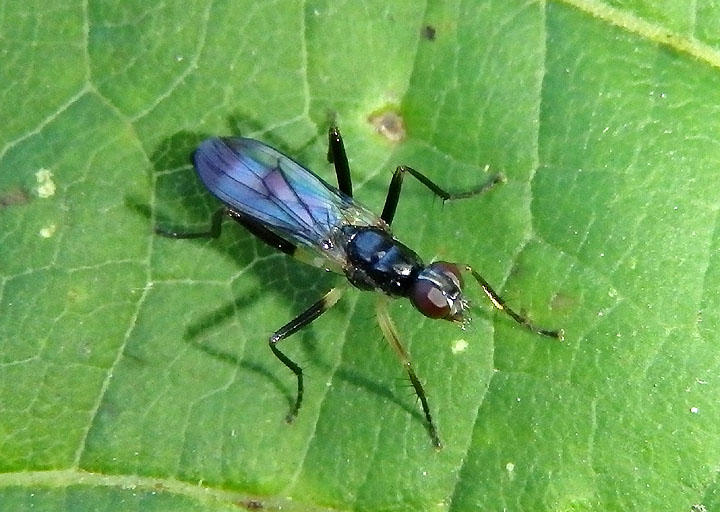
[[428, 32], [13, 196], [389, 124]]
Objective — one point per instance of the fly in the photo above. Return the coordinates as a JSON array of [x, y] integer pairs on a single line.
[[295, 211]]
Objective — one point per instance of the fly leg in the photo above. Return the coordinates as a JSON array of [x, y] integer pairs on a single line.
[[500, 304], [253, 226], [393, 195], [390, 334], [337, 156], [303, 319], [259, 230]]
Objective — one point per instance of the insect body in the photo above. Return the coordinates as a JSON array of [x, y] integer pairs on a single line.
[[290, 208]]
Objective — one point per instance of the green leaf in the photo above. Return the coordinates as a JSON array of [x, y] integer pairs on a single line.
[[134, 369]]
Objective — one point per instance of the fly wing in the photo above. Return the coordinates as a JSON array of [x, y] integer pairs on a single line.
[[259, 181]]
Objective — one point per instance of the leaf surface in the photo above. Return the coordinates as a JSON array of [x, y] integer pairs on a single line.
[[134, 369]]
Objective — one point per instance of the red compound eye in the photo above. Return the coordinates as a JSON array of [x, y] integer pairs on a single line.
[[450, 269], [438, 291], [429, 299]]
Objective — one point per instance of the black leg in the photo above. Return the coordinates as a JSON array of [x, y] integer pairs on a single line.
[[338, 157], [390, 333], [393, 195], [314, 311], [255, 227], [499, 303], [213, 232], [263, 233]]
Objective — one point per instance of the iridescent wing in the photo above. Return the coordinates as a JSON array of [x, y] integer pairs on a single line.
[[268, 186]]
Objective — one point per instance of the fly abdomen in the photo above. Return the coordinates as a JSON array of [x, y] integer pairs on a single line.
[[377, 261]]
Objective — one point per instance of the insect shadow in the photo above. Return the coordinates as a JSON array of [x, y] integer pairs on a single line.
[[293, 210], [183, 195], [214, 319]]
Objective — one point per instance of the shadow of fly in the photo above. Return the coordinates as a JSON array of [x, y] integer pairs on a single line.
[[290, 208]]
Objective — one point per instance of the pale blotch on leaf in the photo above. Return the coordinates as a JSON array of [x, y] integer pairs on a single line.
[[45, 184], [48, 231], [388, 124], [459, 346], [510, 468]]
